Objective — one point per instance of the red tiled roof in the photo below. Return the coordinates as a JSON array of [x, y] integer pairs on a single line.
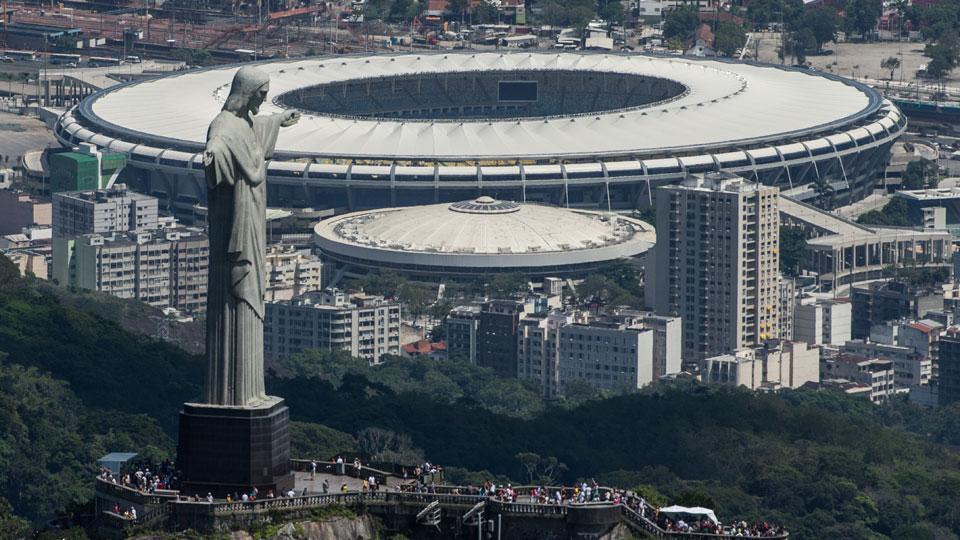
[[424, 347]]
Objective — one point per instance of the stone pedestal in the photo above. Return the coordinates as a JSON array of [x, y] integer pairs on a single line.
[[233, 449]]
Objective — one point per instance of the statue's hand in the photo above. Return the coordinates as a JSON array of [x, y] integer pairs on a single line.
[[289, 118]]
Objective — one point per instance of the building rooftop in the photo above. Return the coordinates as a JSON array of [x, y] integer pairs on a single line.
[[99, 195], [723, 102], [486, 226]]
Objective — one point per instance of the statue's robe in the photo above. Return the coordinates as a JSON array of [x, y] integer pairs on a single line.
[[235, 166]]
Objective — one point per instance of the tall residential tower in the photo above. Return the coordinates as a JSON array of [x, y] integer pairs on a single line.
[[716, 262]]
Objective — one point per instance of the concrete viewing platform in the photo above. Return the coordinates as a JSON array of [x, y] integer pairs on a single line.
[[448, 511]]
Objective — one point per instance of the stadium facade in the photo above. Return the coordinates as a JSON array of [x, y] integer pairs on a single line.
[[585, 130]]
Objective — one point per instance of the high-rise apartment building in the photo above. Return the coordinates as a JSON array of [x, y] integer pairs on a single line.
[[716, 262], [366, 326]]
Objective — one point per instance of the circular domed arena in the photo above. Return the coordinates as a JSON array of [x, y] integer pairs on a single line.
[[480, 237], [577, 129]]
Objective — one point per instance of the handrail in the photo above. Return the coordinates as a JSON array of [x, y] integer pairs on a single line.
[[129, 493], [642, 522], [303, 465], [443, 496]]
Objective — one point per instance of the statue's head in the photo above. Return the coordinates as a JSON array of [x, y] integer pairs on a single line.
[[248, 90]]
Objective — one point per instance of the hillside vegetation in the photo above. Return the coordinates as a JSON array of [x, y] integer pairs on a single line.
[[74, 385]]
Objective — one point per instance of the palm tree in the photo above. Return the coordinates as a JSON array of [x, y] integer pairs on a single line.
[[824, 192]]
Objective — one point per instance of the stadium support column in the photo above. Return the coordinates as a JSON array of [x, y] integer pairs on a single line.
[[523, 182], [566, 185], [393, 185]]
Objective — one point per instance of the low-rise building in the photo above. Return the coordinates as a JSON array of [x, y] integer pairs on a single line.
[[462, 327], [103, 211], [878, 302], [667, 337], [948, 380], [291, 272], [366, 326], [497, 336], [162, 268], [626, 349], [874, 373], [19, 210], [822, 321], [435, 350], [554, 350], [910, 368], [778, 364]]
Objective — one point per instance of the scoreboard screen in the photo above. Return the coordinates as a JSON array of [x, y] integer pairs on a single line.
[[517, 91]]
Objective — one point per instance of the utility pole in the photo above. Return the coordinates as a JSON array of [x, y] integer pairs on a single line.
[[6, 15], [256, 39]]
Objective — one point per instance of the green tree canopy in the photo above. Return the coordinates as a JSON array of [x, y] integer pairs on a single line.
[[681, 22], [793, 243], [860, 16], [729, 37]]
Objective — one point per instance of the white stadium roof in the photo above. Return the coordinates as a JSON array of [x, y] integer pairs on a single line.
[[726, 102], [483, 233]]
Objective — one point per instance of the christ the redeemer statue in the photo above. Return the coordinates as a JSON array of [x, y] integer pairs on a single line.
[[238, 147]]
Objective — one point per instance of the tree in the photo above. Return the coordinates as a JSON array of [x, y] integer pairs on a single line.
[[529, 461], [415, 298], [506, 285], [860, 16], [388, 446], [793, 242], [596, 289], [578, 391], [891, 64], [822, 23], [459, 8], [383, 282], [612, 11], [763, 12], [12, 525], [920, 174], [484, 12], [824, 192], [729, 37], [681, 22], [943, 55]]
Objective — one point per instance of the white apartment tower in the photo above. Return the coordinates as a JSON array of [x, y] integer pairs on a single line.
[[716, 263]]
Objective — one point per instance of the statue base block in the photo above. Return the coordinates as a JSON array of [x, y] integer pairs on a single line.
[[225, 449]]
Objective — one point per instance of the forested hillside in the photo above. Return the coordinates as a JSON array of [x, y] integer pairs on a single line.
[[74, 386]]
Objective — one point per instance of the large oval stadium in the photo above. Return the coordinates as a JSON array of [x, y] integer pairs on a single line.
[[585, 130]]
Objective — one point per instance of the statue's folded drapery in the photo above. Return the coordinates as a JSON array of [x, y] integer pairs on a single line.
[[236, 196]]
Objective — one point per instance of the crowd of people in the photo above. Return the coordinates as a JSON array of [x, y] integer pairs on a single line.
[[144, 477], [129, 513], [739, 529], [426, 477]]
